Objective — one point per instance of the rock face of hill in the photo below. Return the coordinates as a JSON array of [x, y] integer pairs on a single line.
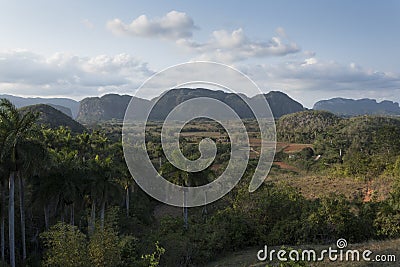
[[169, 100], [107, 107], [68, 106], [351, 107], [54, 118], [280, 103], [111, 107]]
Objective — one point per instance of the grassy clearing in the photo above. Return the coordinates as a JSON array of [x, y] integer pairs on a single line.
[[316, 186]]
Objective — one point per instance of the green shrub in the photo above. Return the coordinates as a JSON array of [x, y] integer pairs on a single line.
[[66, 247]]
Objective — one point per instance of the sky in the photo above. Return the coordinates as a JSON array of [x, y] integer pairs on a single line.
[[311, 50]]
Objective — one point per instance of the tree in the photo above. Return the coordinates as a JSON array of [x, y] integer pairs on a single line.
[[124, 177], [3, 174], [104, 248], [66, 246], [19, 128], [185, 179], [103, 184], [61, 187], [3, 212], [31, 153], [155, 257]]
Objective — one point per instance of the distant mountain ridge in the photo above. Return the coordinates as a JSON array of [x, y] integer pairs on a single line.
[[68, 106], [113, 106], [351, 107]]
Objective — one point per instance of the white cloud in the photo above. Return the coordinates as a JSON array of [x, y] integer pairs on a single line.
[[307, 80], [310, 61], [223, 46], [311, 80], [27, 73], [173, 25], [234, 46]]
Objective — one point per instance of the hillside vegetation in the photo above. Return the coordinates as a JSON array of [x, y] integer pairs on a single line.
[[305, 126], [53, 118], [79, 206]]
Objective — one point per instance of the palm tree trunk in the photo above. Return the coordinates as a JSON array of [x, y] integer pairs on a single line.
[[62, 212], [92, 217], [102, 213], [185, 217], [3, 216], [22, 213], [11, 218], [205, 211], [73, 214], [185, 210], [127, 200], [46, 216]]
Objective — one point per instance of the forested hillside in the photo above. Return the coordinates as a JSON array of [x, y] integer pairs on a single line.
[[53, 118], [304, 127]]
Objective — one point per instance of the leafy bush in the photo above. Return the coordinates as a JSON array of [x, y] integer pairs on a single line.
[[66, 247], [104, 248]]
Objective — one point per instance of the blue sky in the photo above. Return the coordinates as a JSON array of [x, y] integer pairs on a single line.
[[310, 50]]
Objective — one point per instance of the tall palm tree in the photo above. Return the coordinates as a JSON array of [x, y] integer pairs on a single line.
[[3, 174], [3, 211], [31, 152], [58, 185], [185, 179], [127, 182], [19, 128], [123, 176], [104, 186]]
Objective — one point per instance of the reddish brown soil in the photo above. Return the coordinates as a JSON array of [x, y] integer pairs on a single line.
[[285, 166], [293, 148]]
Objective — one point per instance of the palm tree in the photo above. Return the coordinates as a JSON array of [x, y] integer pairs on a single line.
[[185, 179], [128, 183], [104, 185], [3, 213], [19, 128], [100, 159], [31, 152], [123, 176], [59, 185], [3, 173]]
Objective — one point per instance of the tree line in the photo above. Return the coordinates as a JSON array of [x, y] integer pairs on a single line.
[[57, 178]]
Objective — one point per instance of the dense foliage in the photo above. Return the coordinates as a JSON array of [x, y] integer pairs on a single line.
[[304, 127], [79, 206]]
